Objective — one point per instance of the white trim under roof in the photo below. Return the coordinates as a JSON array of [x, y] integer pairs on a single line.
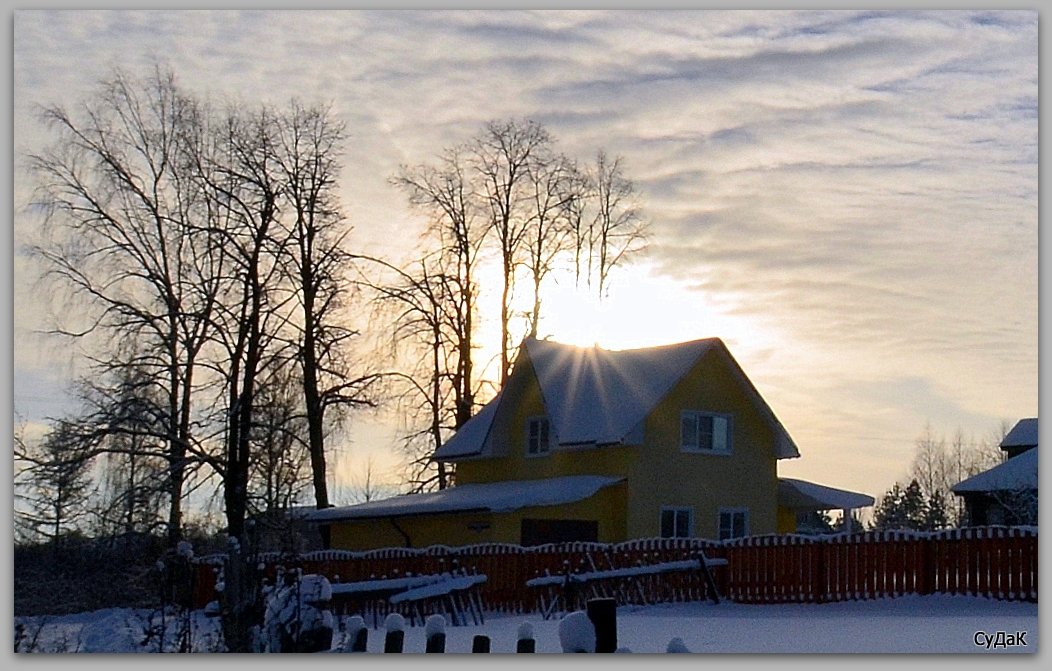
[[492, 497]]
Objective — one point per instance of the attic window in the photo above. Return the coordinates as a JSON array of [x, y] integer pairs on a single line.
[[538, 431], [705, 432]]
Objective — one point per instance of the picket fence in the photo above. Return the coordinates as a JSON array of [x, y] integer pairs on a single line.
[[994, 562]]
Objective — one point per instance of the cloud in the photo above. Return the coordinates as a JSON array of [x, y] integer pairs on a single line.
[[862, 183]]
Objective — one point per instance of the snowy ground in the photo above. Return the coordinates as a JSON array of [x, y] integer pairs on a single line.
[[934, 624]]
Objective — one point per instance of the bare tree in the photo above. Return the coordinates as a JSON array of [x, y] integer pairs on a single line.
[[57, 483], [417, 300], [123, 214], [245, 184], [618, 229], [550, 229], [132, 445], [310, 142], [503, 154], [280, 469], [447, 197]]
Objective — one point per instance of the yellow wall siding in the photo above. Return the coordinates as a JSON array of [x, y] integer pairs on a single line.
[[786, 520], [423, 531], [607, 508], [667, 476]]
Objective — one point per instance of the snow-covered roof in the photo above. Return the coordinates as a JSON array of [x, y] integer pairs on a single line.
[[803, 495], [470, 438], [484, 497], [1019, 472], [595, 396], [1023, 434]]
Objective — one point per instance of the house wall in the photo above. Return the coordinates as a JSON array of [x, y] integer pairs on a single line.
[[659, 473], [667, 476], [786, 520], [607, 507]]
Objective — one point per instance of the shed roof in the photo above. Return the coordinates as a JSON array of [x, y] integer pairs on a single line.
[[1023, 434], [484, 497], [1019, 472], [802, 495]]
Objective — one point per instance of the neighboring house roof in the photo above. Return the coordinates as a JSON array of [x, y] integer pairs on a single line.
[[494, 497], [1023, 434], [802, 495], [595, 396], [1019, 472]]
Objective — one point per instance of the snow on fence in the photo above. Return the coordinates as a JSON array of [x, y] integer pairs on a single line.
[[996, 562]]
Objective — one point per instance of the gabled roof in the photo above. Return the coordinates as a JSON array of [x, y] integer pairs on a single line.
[[595, 396], [1023, 434], [493, 497], [1019, 472], [802, 495]]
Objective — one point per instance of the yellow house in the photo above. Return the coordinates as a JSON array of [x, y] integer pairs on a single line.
[[597, 445]]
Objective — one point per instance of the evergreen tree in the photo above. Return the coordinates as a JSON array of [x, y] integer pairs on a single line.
[[937, 513], [889, 513], [914, 506]]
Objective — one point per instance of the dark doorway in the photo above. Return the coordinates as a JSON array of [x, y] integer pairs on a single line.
[[539, 532]]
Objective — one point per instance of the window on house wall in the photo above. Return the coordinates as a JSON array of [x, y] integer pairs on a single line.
[[677, 522], [538, 436], [705, 432], [734, 523]]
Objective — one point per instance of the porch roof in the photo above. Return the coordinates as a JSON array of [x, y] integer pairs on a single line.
[[493, 497]]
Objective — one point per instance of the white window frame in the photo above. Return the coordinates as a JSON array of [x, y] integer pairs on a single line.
[[676, 510], [538, 420], [732, 512], [697, 448]]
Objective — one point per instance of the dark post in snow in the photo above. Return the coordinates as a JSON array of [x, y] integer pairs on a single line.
[[394, 623], [603, 614], [436, 642], [361, 639], [394, 640], [525, 636], [480, 644]]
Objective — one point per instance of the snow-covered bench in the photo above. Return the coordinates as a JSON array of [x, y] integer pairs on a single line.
[[572, 584], [456, 593]]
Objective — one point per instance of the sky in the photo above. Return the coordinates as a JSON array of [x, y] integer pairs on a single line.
[[848, 199]]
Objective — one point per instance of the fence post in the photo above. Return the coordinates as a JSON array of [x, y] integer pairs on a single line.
[[603, 614], [395, 637], [435, 630], [525, 639], [480, 643], [357, 634]]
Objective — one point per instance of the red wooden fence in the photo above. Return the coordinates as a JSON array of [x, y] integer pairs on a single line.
[[995, 562]]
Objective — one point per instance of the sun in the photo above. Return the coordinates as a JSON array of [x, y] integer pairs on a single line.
[[642, 309]]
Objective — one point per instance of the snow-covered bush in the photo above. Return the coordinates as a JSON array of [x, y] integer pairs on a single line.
[[296, 618], [576, 632]]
